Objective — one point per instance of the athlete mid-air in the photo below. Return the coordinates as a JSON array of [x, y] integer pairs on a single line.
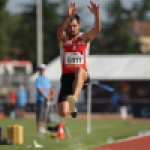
[[74, 47]]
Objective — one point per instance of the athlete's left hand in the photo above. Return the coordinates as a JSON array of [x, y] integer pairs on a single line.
[[94, 8]]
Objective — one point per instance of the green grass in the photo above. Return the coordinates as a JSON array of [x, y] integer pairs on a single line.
[[100, 131]]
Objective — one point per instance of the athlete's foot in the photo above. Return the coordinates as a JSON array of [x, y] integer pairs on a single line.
[[74, 114], [71, 100]]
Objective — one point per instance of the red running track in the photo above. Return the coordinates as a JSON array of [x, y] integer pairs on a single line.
[[140, 143]]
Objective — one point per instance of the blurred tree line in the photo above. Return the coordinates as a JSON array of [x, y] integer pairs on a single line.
[[2, 20], [116, 36], [18, 31]]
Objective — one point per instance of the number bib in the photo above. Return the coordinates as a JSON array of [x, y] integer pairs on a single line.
[[74, 54], [74, 59]]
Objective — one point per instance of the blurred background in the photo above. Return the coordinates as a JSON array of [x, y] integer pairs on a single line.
[[119, 55]]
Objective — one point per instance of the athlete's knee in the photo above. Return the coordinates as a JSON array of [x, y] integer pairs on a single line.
[[80, 72], [63, 114], [63, 109]]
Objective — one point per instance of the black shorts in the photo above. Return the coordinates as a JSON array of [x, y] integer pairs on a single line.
[[67, 86]]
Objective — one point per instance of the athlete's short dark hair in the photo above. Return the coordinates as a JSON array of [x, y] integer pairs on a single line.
[[77, 17]]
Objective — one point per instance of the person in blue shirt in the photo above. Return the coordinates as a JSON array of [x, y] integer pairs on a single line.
[[115, 99], [21, 103], [22, 100], [43, 87]]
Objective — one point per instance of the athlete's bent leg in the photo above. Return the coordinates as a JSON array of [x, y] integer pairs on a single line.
[[68, 106], [80, 77], [65, 90], [63, 108]]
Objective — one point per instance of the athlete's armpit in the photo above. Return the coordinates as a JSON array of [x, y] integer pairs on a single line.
[[85, 37]]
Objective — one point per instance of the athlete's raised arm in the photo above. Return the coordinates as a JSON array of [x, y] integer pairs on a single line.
[[90, 35], [71, 13]]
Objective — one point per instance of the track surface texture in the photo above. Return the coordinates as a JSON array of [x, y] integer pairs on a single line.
[[137, 143]]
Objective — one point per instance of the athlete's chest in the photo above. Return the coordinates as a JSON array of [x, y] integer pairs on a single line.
[[72, 45]]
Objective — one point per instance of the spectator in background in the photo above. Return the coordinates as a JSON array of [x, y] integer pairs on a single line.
[[12, 96], [125, 88], [115, 100], [43, 86], [22, 101]]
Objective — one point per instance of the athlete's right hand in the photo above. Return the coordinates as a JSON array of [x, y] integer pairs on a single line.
[[72, 10]]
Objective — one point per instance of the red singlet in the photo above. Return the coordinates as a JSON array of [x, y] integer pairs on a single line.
[[73, 54]]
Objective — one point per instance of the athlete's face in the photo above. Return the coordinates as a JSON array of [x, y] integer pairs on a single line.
[[73, 28]]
